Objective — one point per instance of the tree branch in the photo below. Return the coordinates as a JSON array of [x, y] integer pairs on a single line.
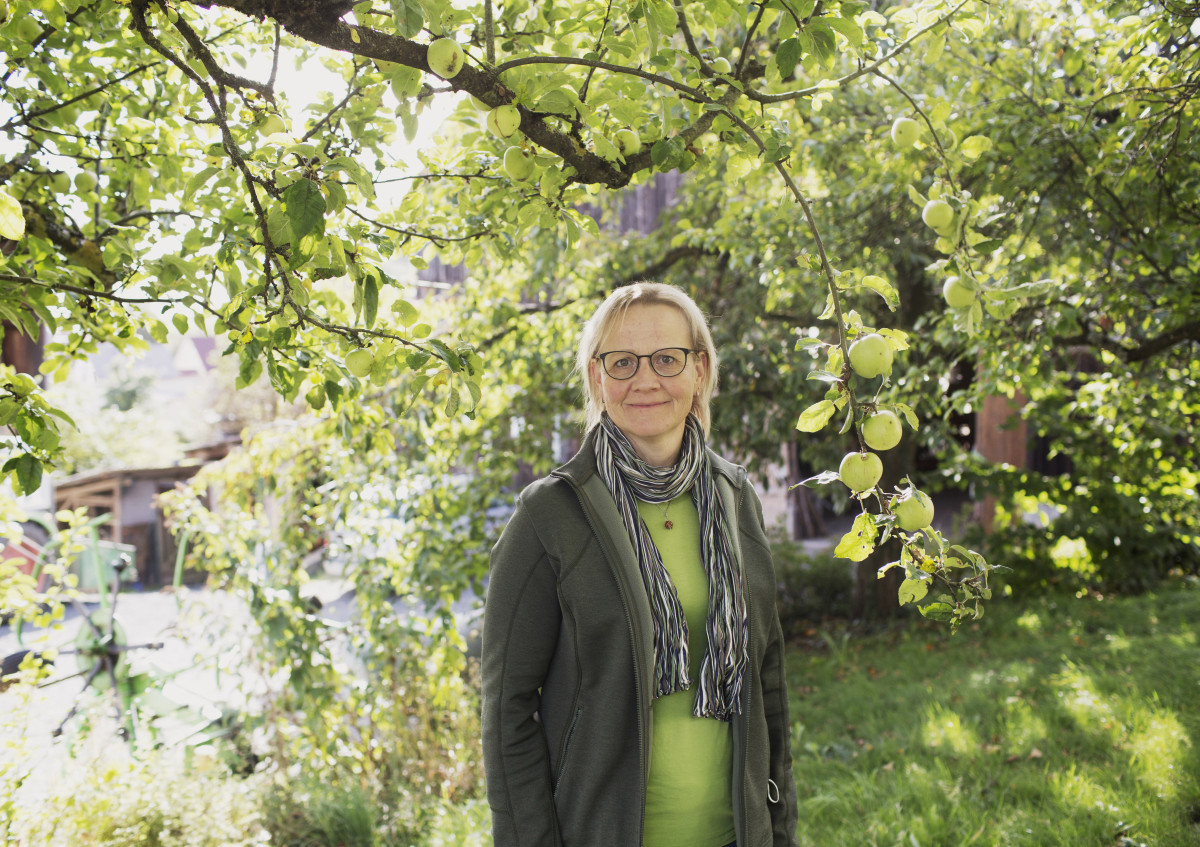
[[411, 233], [866, 69], [320, 24], [1145, 349], [25, 118]]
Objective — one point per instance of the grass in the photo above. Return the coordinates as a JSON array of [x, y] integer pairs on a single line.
[[1066, 722]]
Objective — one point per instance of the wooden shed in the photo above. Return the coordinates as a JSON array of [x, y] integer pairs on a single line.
[[130, 496]]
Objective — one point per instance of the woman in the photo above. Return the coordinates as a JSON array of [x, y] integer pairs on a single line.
[[633, 678]]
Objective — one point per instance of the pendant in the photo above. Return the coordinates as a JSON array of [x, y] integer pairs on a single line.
[[669, 524]]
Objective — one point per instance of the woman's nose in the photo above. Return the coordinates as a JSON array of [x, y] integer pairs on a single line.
[[645, 376]]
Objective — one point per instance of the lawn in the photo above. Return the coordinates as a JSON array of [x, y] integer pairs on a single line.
[[1064, 722]]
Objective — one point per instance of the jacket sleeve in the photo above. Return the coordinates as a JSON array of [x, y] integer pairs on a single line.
[[775, 701], [520, 631]]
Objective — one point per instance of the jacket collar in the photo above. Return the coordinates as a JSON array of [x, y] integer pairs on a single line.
[[583, 464]]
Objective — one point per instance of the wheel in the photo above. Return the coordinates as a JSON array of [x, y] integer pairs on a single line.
[[99, 649]]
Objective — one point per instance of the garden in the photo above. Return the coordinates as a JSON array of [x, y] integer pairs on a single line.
[[314, 274]]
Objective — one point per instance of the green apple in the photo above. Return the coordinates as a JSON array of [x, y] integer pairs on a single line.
[[60, 182], [504, 120], [938, 215], [721, 65], [85, 181], [882, 430], [28, 29], [272, 125], [445, 58], [860, 471], [871, 356], [957, 293], [359, 362], [905, 132], [627, 141], [913, 510], [518, 164]]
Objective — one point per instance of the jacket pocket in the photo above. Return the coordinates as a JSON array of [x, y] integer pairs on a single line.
[[566, 748]]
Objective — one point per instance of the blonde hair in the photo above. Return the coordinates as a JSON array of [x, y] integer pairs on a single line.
[[612, 311]]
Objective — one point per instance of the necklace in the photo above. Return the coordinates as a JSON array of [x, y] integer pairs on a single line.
[[667, 523]]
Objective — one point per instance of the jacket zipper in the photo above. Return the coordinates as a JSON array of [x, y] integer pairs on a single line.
[[562, 769], [637, 676]]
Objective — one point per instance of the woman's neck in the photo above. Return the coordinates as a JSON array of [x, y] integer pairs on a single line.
[[656, 454]]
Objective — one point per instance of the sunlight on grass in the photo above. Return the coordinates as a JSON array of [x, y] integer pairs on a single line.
[[1159, 747], [1077, 789], [1183, 639], [944, 728], [1078, 696], [1022, 728], [1060, 724]]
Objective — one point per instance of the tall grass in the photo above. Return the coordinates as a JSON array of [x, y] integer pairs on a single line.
[[1068, 722]]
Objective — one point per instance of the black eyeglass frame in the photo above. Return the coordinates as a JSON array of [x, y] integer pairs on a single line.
[[604, 364]]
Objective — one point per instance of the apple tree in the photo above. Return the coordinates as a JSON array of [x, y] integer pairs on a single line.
[[157, 180]]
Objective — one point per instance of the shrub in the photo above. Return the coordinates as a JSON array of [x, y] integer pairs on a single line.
[[155, 801], [318, 814], [811, 586], [1101, 539]]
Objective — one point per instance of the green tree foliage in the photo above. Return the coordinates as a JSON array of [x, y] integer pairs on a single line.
[[155, 178], [158, 176]]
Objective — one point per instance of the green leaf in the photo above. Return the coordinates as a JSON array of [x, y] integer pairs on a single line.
[[852, 31], [823, 478], [452, 402], [12, 219], [661, 153], [937, 611], [157, 330], [408, 17], [370, 306], [787, 56], [884, 289], [305, 208], [405, 312], [912, 591], [355, 171], [28, 472], [975, 146], [816, 416], [198, 180], [859, 542]]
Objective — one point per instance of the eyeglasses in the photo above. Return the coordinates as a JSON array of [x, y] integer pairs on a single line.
[[621, 364]]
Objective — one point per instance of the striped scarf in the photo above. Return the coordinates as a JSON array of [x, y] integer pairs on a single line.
[[629, 479]]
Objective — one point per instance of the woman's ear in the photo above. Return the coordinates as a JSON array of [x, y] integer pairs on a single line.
[[594, 378]]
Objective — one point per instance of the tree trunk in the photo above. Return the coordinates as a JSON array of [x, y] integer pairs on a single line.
[[804, 509]]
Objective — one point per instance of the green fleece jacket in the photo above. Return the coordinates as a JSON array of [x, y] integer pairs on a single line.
[[568, 672]]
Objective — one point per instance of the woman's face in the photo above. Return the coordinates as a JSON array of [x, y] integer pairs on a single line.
[[650, 409]]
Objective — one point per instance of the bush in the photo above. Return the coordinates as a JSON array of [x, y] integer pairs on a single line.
[[317, 814], [811, 586], [1100, 540], [156, 801]]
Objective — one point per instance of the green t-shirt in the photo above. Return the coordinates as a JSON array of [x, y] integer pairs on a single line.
[[689, 796]]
